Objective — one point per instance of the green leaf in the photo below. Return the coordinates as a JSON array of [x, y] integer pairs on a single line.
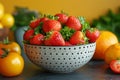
[[85, 24], [23, 16], [50, 16], [67, 32], [38, 29], [109, 21]]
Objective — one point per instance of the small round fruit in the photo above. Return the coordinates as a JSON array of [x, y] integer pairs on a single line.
[[11, 65], [7, 20], [115, 66], [112, 53]]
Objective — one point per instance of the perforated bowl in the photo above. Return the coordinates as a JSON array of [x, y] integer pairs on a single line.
[[60, 59]]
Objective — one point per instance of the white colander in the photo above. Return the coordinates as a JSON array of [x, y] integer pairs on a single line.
[[60, 59]]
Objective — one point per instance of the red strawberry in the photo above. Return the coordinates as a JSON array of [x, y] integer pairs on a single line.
[[35, 23], [77, 38], [62, 17], [54, 38], [67, 43], [51, 25], [74, 23], [28, 34], [37, 39], [92, 34], [43, 19]]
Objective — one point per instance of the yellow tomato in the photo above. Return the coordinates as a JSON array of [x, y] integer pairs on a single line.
[[112, 53], [7, 20], [1, 26], [12, 47], [11, 65], [1, 10]]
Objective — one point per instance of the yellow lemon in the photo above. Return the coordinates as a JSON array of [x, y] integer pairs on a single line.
[[7, 20], [1, 10]]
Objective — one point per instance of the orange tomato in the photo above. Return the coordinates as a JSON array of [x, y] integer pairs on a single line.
[[105, 40], [11, 65], [11, 46], [112, 53]]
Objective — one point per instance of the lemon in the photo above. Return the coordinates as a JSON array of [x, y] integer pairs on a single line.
[[1, 26], [7, 20], [1, 10]]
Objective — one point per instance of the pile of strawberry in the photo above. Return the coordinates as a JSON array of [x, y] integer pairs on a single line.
[[60, 30]]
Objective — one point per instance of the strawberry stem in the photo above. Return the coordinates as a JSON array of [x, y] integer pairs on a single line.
[[48, 34], [50, 16]]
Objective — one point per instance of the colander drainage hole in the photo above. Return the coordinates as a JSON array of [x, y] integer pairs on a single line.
[[55, 63], [81, 53], [39, 53], [56, 53], [64, 48], [74, 48], [66, 53], [60, 63], [50, 53], [44, 53], [44, 48], [59, 48], [74, 58], [58, 58]]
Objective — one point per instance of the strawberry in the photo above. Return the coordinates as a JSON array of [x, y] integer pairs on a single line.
[[51, 25], [92, 34], [28, 34], [67, 43], [77, 38], [74, 23], [54, 38], [62, 17], [43, 19], [35, 23], [37, 39]]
